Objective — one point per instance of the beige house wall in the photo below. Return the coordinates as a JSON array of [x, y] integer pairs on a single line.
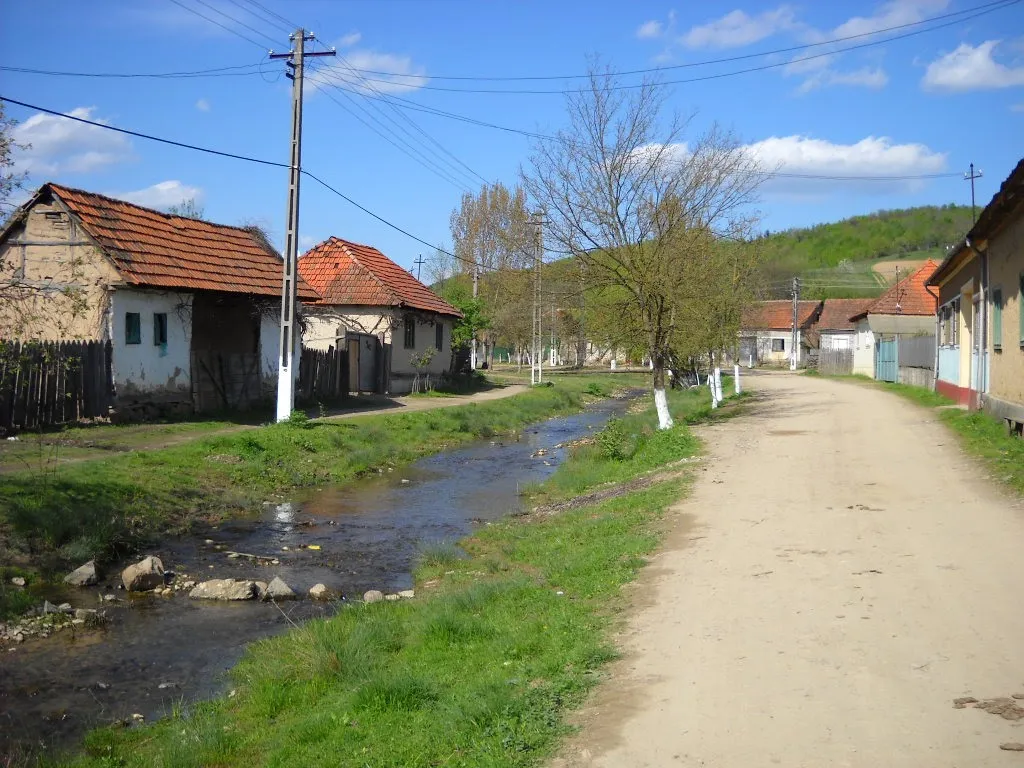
[[54, 280], [1006, 265]]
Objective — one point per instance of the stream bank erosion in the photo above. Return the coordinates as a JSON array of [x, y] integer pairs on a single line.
[[158, 650], [496, 645]]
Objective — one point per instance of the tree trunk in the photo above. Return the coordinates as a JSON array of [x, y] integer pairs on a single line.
[[660, 399]]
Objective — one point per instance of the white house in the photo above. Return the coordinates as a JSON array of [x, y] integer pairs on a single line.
[[766, 331], [191, 308], [394, 327], [837, 331]]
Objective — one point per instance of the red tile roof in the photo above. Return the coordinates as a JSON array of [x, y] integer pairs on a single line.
[[778, 315], [908, 297], [150, 248], [836, 314], [360, 275]]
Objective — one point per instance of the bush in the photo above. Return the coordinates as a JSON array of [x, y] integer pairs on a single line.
[[612, 440]]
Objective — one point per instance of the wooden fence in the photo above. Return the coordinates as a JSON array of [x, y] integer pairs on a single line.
[[835, 362], [54, 383], [322, 374]]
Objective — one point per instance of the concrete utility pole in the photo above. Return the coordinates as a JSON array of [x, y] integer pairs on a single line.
[[476, 287], [795, 340], [971, 177], [285, 373]]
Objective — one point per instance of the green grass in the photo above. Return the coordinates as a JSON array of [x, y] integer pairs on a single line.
[[103, 507], [478, 671]]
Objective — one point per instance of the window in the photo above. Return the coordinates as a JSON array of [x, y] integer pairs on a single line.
[[132, 328], [997, 318], [159, 329], [410, 332], [438, 335], [778, 345]]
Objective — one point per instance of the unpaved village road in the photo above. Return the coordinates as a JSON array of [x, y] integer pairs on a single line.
[[840, 574]]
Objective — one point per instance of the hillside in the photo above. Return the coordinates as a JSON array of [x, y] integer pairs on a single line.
[[849, 257]]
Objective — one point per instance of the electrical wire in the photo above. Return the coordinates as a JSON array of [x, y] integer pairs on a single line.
[[726, 60], [215, 72], [234, 32], [721, 75], [291, 24], [273, 41], [264, 19]]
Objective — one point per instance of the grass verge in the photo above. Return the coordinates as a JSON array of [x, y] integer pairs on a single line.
[[478, 670], [99, 508]]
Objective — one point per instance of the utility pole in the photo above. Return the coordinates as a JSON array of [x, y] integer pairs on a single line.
[[285, 373], [795, 340], [536, 361], [971, 177], [419, 264], [476, 288], [554, 354]]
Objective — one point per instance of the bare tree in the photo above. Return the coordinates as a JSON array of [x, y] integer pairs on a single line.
[[10, 180], [635, 201], [188, 209]]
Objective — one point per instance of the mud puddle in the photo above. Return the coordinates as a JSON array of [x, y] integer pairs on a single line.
[[158, 652]]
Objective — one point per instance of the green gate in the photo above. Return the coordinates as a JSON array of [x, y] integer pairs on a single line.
[[887, 360]]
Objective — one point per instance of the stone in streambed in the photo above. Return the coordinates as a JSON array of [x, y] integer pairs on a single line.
[[83, 576], [373, 596], [320, 592], [145, 575], [279, 590], [18, 581], [224, 589]]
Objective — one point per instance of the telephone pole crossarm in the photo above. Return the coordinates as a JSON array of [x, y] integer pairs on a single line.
[[286, 373]]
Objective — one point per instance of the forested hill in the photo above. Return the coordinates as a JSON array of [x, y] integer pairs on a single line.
[[915, 233], [827, 256]]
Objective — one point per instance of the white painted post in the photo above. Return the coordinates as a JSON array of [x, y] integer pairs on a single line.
[[750, 360], [736, 376], [613, 364], [718, 383]]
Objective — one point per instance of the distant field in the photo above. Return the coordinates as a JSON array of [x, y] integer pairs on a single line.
[[888, 269]]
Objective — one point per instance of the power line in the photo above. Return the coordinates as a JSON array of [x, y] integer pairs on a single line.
[[280, 25], [706, 62], [234, 32], [273, 41], [215, 72], [290, 24], [775, 65]]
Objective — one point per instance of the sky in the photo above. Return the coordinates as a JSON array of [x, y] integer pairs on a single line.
[[930, 103]]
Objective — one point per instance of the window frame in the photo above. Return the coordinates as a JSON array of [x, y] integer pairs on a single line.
[[132, 321], [439, 335], [781, 345], [409, 336], [159, 329]]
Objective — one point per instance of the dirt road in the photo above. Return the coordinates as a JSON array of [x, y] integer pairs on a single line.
[[839, 576]]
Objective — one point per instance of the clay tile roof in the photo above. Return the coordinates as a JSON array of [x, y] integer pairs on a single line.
[[908, 297], [151, 248], [778, 315], [836, 314], [360, 275]]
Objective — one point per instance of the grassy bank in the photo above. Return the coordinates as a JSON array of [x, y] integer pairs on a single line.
[[978, 434], [478, 670], [50, 519]]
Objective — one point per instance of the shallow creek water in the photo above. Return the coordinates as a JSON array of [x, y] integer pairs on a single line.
[[156, 651]]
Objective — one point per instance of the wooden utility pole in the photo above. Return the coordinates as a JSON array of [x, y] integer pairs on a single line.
[[476, 288], [286, 360], [536, 356], [419, 262], [971, 177]]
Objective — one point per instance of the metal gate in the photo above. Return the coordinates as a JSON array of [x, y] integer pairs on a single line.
[[886, 360], [365, 360]]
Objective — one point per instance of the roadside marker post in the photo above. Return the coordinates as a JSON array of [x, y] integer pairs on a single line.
[[736, 376]]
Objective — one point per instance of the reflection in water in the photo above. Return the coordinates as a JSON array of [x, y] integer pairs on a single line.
[[159, 651]]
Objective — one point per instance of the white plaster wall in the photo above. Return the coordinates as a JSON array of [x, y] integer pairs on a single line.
[[836, 340], [402, 369], [322, 324], [864, 350], [146, 367], [764, 346]]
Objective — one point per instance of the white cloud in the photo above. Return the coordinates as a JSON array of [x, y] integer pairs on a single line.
[[650, 29], [203, 105], [407, 77], [866, 77], [891, 14], [162, 195], [872, 156], [971, 69], [350, 39], [737, 29], [59, 145], [1017, 107]]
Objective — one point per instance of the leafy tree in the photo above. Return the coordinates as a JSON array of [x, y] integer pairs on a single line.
[[459, 294]]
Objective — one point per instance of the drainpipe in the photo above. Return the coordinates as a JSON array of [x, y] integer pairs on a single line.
[[983, 346]]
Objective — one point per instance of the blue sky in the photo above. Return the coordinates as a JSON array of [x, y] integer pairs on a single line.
[[931, 103]]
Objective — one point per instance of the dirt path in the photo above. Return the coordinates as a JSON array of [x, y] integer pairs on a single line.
[[17, 457], [839, 576]]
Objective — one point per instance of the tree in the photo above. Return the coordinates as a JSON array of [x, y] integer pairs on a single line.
[[638, 207], [10, 180], [188, 209]]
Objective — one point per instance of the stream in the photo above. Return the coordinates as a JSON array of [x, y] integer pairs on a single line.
[[156, 652]]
